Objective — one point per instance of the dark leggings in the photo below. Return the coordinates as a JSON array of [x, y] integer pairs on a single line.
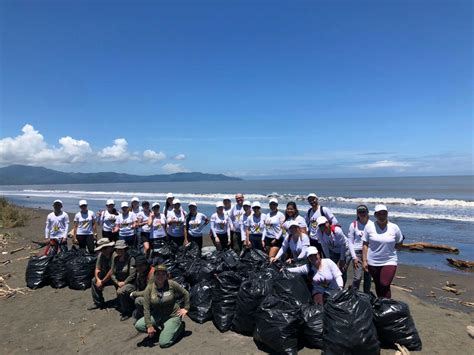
[[129, 240], [256, 241], [223, 239], [86, 241], [383, 276], [197, 240], [315, 243], [110, 235], [177, 240]]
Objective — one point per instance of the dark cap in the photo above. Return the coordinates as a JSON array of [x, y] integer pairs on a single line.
[[362, 208], [141, 260], [161, 267]]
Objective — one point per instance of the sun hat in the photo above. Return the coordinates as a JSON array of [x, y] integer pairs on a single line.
[[273, 200], [57, 201], [161, 267], [82, 203], [110, 202], [169, 195], [155, 204], [124, 204], [120, 244], [140, 259], [256, 204], [176, 201], [102, 243], [311, 251], [219, 204], [312, 194], [247, 203], [321, 220], [379, 208], [192, 203]]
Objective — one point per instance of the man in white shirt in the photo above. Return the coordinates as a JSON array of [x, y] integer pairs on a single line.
[[57, 226], [236, 213]]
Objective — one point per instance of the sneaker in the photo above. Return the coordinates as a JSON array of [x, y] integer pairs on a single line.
[[124, 317]]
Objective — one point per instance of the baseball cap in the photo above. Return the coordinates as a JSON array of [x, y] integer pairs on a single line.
[[219, 204], [273, 200], [362, 208], [293, 224], [379, 208], [256, 204], [312, 194], [247, 203], [82, 203], [124, 204], [176, 201], [169, 195], [110, 202], [161, 267], [135, 199], [155, 204], [192, 203], [311, 251], [57, 201], [227, 198], [321, 220]]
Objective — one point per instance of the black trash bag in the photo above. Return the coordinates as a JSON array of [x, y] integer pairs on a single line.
[[277, 324], [251, 294], [254, 258], [192, 250], [200, 295], [199, 270], [81, 271], [348, 328], [312, 334], [36, 275], [394, 324], [57, 268], [162, 252], [224, 296], [292, 285]]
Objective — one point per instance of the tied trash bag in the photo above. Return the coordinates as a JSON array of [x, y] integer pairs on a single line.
[[81, 271], [348, 328], [200, 309], [224, 295], [292, 285], [36, 271], [250, 296], [198, 271], [57, 268], [394, 324], [278, 322], [312, 334], [254, 258]]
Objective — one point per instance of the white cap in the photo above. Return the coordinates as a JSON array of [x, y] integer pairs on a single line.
[[321, 220], [135, 199], [219, 204], [124, 204], [256, 204], [302, 223], [273, 200], [169, 195], [192, 203], [311, 251], [110, 202], [247, 203], [379, 208], [82, 203], [57, 201], [226, 198], [176, 201], [312, 194], [293, 224], [155, 204]]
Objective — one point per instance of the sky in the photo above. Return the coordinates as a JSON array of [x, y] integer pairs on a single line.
[[254, 89]]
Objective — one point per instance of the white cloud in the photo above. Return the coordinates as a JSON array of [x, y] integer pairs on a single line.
[[386, 164], [152, 156], [179, 157], [117, 152], [171, 168]]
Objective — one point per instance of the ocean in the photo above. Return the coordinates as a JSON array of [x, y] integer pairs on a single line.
[[431, 209]]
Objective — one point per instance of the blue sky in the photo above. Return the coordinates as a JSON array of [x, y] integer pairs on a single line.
[[248, 88]]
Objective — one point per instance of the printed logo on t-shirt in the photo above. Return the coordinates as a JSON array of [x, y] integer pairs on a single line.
[[55, 228], [85, 224]]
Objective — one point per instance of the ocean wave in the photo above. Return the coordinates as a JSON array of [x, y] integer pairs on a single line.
[[404, 201]]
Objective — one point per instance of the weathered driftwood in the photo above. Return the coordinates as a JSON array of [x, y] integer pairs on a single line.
[[462, 264], [17, 250], [452, 289], [421, 246]]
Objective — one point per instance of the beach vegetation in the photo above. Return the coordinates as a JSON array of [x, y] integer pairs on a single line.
[[10, 215]]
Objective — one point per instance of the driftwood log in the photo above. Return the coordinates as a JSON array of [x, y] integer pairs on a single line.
[[421, 246], [461, 264]]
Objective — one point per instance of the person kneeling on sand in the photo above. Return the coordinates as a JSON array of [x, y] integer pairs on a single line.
[[161, 309], [123, 277], [103, 271], [144, 275]]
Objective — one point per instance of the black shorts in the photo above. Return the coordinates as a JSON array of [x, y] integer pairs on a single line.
[[110, 235], [268, 242], [145, 236]]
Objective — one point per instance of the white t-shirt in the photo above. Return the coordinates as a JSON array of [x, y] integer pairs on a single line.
[[125, 224], [256, 225], [107, 220], [298, 248], [235, 215], [176, 223], [158, 226], [196, 224], [335, 242], [243, 226], [354, 237], [273, 224], [84, 222], [382, 243], [329, 277], [220, 223], [144, 218], [312, 216], [57, 226]]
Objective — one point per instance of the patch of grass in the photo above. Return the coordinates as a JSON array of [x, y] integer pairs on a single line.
[[10, 215]]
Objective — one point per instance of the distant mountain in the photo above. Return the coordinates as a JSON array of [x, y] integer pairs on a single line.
[[30, 175]]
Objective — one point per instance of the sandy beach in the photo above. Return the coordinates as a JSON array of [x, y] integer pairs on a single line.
[[57, 321]]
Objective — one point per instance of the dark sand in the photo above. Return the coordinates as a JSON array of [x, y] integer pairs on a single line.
[[57, 321]]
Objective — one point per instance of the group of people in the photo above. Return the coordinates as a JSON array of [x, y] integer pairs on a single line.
[[371, 246]]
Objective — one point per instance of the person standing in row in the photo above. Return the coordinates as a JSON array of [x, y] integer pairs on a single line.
[[247, 206], [123, 277], [255, 227], [312, 215], [85, 229], [142, 225], [273, 229], [235, 215], [103, 271], [354, 237], [125, 225], [195, 222], [135, 209], [57, 227], [227, 206], [176, 222], [107, 219], [168, 203], [334, 244], [157, 224], [292, 214], [296, 241], [379, 251], [220, 227]]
